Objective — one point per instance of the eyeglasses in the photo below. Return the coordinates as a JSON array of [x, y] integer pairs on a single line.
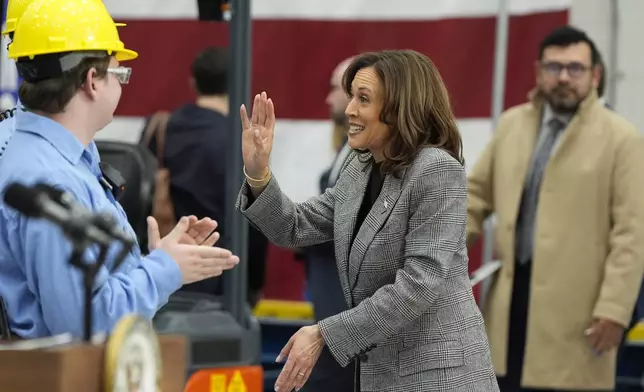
[[574, 69], [122, 74]]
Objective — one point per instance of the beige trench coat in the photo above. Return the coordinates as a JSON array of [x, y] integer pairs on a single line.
[[589, 239]]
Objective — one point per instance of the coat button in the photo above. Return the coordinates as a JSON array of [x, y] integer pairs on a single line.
[[363, 357]]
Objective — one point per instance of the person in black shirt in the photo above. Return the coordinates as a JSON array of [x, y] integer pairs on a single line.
[[195, 151]]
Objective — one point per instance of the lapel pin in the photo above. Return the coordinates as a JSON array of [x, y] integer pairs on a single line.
[[386, 204]]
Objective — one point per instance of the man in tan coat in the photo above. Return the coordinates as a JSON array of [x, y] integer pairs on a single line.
[[565, 178]]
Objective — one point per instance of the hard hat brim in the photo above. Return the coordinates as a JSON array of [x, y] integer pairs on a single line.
[[125, 55]]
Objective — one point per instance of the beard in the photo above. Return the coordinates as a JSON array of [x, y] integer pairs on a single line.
[[563, 99]]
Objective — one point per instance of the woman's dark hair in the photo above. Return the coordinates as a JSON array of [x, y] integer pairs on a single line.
[[416, 105]]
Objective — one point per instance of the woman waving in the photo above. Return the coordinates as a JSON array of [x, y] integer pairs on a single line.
[[397, 215]]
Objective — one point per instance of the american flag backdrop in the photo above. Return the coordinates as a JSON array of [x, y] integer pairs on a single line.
[[296, 45]]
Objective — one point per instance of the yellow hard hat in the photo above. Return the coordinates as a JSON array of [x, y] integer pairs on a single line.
[[15, 9], [60, 26]]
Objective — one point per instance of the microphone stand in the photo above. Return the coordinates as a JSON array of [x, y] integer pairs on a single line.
[[89, 272], [80, 243]]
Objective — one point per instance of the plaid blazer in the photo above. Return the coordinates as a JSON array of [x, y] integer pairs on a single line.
[[413, 322]]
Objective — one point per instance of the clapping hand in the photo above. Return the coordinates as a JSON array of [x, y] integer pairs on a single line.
[[200, 232], [257, 136], [196, 262]]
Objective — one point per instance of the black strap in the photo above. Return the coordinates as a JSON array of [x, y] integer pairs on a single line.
[[7, 114]]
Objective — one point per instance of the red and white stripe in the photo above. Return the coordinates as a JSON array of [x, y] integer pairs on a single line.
[[296, 45]]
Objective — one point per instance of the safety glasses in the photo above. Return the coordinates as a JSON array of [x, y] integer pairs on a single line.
[[121, 73]]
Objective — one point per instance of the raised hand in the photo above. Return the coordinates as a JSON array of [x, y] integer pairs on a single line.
[[257, 136]]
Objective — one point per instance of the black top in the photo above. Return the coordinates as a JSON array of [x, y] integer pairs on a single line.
[[195, 154], [195, 150], [374, 186]]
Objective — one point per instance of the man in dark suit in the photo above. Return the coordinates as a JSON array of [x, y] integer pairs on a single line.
[[323, 280]]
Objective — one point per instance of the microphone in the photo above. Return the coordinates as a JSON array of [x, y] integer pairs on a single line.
[[74, 221], [55, 194], [103, 221]]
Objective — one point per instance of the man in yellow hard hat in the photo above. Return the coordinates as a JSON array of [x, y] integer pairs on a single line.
[[15, 9], [68, 53]]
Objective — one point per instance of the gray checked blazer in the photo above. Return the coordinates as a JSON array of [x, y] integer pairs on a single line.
[[413, 322]]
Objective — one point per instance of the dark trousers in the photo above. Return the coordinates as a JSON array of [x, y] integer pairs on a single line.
[[329, 376], [357, 377], [518, 327], [328, 300], [629, 364]]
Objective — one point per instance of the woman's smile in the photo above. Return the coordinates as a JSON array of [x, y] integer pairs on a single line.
[[355, 129]]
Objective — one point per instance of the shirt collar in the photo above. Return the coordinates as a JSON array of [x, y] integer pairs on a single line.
[[64, 141], [93, 157]]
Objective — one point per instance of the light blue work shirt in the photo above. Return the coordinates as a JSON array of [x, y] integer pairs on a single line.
[[42, 291]]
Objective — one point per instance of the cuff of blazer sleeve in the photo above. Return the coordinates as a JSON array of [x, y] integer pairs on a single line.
[[614, 313], [251, 206], [339, 340]]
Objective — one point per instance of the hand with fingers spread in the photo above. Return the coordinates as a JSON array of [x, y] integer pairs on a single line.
[[301, 353], [196, 262], [257, 137], [200, 232]]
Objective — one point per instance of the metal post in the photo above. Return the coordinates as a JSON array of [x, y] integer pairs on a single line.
[[613, 75], [498, 101], [500, 60], [235, 281]]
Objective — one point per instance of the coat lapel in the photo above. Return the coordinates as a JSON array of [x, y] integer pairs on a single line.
[[346, 216], [526, 142], [574, 129], [522, 146], [373, 222]]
